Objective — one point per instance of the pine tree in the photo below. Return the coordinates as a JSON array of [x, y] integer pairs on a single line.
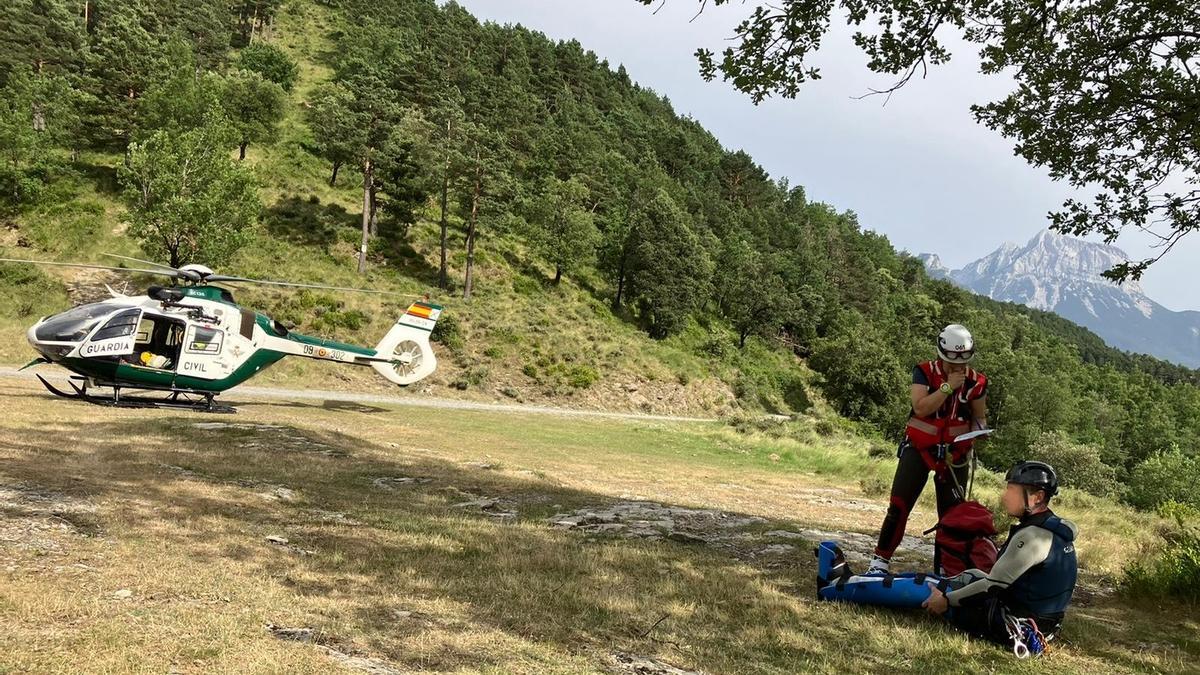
[[669, 273], [182, 97], [124, 59], [483, 184], [564, 230], [271, 62], [188, 200], [328, 117], [254, 105]]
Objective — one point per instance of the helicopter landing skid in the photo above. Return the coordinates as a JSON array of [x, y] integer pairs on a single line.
[[178, 399]]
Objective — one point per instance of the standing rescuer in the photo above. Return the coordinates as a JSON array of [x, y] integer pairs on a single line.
[[949, 398]]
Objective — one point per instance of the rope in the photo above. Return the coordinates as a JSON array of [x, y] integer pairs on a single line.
[[1026, 637]]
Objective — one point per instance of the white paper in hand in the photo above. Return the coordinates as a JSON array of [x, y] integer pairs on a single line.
[[973, 435]]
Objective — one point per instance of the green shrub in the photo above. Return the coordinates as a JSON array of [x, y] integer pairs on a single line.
[[27, 291], [864, 379], [1078, 465], [18, 189], [746, 424], [881, 451], [45, 181], [16, 274], [493, 352], [530, 370], [471, 378], [523, 285], [477, 375], [506, 336], [1174, 510], [1168, 476], [69, 227], [795, 394], [762, 382], [448, 332], [798, 428], [335, 320], [318, 313], [1170, 568], [582, 377], [874, 486], [715, 345]]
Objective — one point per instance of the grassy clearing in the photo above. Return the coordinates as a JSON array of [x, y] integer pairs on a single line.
[[97, 501]]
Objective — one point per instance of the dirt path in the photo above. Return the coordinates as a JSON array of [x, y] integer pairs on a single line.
[[245, 391]]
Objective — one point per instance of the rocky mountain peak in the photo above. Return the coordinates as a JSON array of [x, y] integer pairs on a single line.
[[1062, 274]]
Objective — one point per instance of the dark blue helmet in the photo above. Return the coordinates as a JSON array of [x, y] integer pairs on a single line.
[[1038, 475]]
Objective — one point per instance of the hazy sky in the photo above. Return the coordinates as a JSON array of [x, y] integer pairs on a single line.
[[918, 169]]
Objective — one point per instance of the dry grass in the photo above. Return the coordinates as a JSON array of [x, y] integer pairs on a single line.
[[100, 500]]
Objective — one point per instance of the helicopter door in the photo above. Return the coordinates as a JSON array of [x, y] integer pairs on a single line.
[[115, 338], [158, 342], [202, 349]]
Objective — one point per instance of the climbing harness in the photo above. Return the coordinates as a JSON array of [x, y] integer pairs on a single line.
[[1027, 639]]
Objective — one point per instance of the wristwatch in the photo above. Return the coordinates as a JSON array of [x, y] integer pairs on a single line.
[[946, 388]]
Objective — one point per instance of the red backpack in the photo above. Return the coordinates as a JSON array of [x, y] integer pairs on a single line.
[[964, 540]]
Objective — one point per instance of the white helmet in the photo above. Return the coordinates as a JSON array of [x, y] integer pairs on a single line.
[[955, 344]]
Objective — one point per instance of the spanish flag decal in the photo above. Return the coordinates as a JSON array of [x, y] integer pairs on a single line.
[[422, 310], [421, 315]]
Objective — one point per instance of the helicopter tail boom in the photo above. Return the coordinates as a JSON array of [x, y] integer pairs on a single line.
[[406, 349]]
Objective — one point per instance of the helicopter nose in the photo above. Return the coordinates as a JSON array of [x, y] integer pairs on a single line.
[[54, 352]]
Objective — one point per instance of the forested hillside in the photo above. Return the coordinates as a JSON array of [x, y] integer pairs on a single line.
[[578, 228]]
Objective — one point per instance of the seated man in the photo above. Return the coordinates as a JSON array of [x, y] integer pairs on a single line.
[[1034, 576]]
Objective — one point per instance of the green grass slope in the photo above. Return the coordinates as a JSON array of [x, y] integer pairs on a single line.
[[518, 339]]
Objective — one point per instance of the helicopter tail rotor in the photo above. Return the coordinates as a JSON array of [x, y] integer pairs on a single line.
[[406, 346]]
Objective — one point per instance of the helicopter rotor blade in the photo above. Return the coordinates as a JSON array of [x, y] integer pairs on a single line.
[[163, 273], [189, 275], [218, 278], [139, 260]]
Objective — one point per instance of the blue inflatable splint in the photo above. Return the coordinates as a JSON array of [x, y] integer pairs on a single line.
[[836, 582]]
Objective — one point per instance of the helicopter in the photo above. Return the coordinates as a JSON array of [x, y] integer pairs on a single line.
[[188, 342]]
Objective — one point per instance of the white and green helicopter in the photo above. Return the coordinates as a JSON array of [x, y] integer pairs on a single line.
[[190, 341]]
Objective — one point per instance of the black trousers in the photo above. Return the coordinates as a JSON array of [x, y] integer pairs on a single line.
[[985, 621], [907, 485]]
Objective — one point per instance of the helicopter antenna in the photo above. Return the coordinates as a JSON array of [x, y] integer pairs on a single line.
[[164, 273]]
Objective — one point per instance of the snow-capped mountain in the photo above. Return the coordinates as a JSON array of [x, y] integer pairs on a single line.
[[934, 266], [1062, 275]]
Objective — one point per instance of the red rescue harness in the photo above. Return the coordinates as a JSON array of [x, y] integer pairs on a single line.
[[933, 436]]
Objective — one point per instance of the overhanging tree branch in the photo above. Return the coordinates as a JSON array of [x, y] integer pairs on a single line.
[[1107, 96]]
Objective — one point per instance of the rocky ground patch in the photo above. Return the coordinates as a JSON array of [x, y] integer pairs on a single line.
[[741, 535], [40, 522]]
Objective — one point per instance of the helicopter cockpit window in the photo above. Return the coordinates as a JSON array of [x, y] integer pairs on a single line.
[[74, 325], [144, 331], [205, 341], [119, 326]]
